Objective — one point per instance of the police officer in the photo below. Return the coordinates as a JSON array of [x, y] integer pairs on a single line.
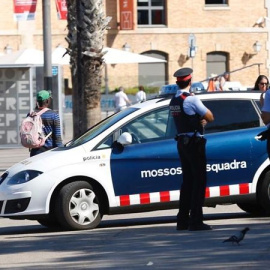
[[190, 116], [265, 115]]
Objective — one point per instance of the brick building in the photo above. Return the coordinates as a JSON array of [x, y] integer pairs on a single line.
[[224, 30]]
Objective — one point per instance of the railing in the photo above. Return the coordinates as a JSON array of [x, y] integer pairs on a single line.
[[229, 72]]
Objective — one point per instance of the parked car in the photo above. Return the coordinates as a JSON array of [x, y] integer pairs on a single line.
[[196, 87], [129, 163], [234, 86]]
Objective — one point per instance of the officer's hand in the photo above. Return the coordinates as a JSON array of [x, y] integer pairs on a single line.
[[263, 135], [203, 122]]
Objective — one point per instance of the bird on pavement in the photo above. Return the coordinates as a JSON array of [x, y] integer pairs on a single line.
[[237, 238]]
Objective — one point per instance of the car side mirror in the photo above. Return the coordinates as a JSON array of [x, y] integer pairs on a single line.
[[125, 139]]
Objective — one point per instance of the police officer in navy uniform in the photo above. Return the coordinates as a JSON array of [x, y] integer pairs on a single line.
[[190, 116]]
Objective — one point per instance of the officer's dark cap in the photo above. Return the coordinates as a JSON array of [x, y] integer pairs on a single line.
[[183, 74]]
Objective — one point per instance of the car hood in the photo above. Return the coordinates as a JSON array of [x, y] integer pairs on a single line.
[[50, 160]]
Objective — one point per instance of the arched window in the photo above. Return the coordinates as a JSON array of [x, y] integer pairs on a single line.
[[217, 63], [153, 74]]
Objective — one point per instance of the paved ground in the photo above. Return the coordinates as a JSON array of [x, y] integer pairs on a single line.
[[134, 241], [138, 241]]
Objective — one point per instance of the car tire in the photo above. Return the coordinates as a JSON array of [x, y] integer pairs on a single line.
[[264, 193], [252, 208], [77, 207]]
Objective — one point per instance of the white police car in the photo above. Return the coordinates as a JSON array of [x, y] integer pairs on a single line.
[[75, 185]]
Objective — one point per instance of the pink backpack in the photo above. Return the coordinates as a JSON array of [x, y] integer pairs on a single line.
[[31, 132]]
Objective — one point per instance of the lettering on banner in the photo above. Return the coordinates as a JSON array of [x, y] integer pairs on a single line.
[[126, 14], [12, 136], [14, 102], [11, 104], [2, 133], [126, 20]]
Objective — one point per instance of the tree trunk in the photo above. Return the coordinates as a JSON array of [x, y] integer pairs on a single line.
[[86, 26]]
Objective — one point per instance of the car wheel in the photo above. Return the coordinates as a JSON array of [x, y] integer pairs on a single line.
[[49, 222], [264, 193], [77, 206], [252, 208]]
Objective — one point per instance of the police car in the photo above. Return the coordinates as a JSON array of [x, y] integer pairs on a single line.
[[129, 163]]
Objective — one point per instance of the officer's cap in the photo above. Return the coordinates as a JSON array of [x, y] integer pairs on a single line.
[[183, 74]]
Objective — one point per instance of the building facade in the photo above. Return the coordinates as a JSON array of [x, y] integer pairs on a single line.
[[212, 36]]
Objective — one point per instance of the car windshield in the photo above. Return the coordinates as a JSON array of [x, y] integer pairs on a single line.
[[100, 127]]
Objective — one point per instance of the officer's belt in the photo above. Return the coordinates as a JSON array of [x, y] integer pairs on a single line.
[[190, 134]]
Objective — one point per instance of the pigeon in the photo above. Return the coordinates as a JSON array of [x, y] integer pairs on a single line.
[[237, 238]]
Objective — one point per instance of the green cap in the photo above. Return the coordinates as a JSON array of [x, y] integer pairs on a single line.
[[43, 95]]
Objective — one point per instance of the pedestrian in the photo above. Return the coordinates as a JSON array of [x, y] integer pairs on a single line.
[[222, 81], [141, 96], [213, 83], [190, 115], [121, 100], [50, 121], [261, 84]]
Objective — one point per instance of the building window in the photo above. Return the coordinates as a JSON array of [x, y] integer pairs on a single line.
[[216, 2], [151, 12], [153, 74], [217, 62]]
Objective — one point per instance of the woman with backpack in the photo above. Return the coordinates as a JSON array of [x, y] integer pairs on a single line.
[[41, 130]]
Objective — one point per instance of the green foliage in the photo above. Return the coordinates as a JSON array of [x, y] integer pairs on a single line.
[[134, 90]]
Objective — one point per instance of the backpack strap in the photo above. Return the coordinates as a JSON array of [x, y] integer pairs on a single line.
[[42, 111]]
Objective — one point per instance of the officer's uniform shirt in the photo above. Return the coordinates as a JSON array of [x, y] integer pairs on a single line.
[[191, 106], [266, 103]]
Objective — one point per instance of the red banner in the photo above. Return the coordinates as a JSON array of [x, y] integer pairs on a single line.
[[61, 7], [24, 9], [126, 14]]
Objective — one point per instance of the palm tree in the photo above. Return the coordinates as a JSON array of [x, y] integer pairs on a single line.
[[86, 27]]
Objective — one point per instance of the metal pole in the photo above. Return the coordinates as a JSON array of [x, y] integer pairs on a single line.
[[106, 80], [47, 44]]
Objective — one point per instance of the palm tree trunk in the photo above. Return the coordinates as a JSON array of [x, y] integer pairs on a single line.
[[86, 26]]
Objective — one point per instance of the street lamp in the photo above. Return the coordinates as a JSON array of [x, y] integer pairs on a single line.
[[126, 47], [192, 47], [257, 47], [8, 49]]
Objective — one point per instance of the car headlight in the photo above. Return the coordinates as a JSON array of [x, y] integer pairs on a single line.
[[23, 177]]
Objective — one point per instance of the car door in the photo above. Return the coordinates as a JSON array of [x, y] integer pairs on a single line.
[[150, 164], [233, 153]]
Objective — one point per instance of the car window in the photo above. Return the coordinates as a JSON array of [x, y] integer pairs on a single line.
[[100, 127], [152, 126], [258, 104], [231, 115]]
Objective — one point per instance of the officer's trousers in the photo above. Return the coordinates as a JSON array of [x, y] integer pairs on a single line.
[[193, 159]]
